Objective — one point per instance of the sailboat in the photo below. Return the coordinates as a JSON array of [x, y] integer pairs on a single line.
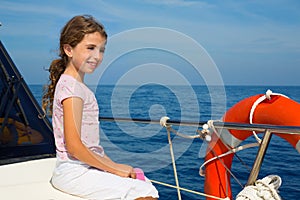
[[27, 149]]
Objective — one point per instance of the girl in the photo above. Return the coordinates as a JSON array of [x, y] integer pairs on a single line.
[[83, 169]]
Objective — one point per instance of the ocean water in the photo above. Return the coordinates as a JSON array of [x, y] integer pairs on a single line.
[[146, 145]]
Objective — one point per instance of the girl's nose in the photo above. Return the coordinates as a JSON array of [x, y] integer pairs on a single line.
[[97, 55]]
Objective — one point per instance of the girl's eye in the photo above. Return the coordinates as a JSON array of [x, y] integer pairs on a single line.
[[91, 48]]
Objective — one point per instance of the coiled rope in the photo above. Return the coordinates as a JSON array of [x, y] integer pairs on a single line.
[[264, 189]]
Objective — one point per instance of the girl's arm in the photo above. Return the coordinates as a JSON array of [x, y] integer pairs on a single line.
[[72, 110]]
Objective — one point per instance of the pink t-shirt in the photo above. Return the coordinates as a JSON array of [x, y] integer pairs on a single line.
[[66, 87]]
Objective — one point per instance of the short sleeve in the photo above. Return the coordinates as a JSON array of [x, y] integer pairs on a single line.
[[68, 87]]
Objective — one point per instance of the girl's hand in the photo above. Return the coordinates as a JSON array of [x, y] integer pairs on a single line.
[[125, 171]]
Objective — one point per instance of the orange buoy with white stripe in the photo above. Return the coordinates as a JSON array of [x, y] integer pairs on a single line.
[[272, 109]]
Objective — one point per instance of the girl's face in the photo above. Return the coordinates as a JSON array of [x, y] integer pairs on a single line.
[[86, 55]]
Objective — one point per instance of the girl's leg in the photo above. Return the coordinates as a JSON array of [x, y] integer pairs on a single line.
[[94, 184]]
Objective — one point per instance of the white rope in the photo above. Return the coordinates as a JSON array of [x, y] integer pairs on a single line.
[[173, 162], [163, 122], [265, 189], [190, 191], [210, 124], [237, 149], [268, 95]]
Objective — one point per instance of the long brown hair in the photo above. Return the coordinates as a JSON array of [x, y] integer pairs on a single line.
[[72, 34]]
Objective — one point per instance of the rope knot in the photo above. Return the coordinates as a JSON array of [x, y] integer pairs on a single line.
[[268, 94], [163, 121]]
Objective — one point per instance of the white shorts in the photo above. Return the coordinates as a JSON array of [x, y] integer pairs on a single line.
[[81, 180]]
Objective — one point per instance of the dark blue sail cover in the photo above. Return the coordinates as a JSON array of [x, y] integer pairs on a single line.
[[24, 130]]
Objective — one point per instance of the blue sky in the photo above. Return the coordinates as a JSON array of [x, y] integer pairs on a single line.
[[250, 42]]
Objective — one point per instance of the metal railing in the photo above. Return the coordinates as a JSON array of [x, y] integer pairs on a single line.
[[217, 124], [267, 129]]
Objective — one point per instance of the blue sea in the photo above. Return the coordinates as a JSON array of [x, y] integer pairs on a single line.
[[146, 145]]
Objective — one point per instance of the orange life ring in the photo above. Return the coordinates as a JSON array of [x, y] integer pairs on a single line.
[[278, 110]]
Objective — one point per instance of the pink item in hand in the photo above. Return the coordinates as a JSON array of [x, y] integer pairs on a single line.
[[139, 174]]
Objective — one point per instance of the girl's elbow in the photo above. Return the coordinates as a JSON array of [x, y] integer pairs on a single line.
[[73, 150]]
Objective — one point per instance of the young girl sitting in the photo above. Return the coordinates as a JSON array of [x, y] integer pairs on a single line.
[[83, 169]]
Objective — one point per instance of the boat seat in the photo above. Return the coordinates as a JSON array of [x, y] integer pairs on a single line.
[[30, 180]]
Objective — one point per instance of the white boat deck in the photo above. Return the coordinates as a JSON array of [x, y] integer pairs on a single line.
[[30, 180]]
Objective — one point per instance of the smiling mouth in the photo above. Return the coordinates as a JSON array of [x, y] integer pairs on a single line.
[[92, 64]]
